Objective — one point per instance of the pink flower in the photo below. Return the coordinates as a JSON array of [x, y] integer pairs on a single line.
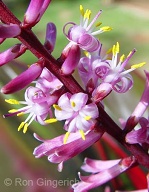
[[77, 114], [23, 79], [50, 37], [7, 31], [105, 174], [83, 34], [34, 12], [58, 152], [140, 135], [37, 106]]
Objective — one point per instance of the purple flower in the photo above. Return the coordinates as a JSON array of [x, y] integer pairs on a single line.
[[105, 174], [12, 53], [84, 33], [77, 114], [23, 79], [47, 82], [141, 106], [87, 69], [140, 135], [50, 37], [7, 31], [72, 60], [58, 152], [37, 106], [34, 12], [115, 74]]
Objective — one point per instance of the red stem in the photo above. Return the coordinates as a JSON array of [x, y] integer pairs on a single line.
[[28, 38]]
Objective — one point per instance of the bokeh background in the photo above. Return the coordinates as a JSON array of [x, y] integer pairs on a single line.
[[130, 22]]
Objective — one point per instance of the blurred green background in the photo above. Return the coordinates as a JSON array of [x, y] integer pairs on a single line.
[[130, 23]]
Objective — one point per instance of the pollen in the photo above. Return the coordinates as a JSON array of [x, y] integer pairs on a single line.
[[73, 104], [52, 120], [82, 134], [20, 114], [87, 118], [122, 58], [25, 127], [57, 107], [138, 65], [106, 28], [12, 101], [66, 137], [87, 14], [12, 110], [82, 10], [21, 126], [98, 24]]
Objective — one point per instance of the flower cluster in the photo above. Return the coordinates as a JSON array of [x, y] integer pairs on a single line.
[[56, 96]]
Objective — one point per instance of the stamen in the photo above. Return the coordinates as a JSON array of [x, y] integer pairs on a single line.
[[21, 126], [117, 48], [82, 10], [73, 104], [82, 134], [66, 137], [109, 50], [12, 110], [52, 120], [20, 114], [87, 14], [98, 24], [122, 58], [138, 65], [57, 107], [25, 127], [87, 118], [12, 101], [86, 53], [106, 28]]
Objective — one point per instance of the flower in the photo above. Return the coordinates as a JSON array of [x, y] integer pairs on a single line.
[[50, 37], [83, 34], [140, 135], [34, 12], [8, 31], [47, 82], [114, 75], [105, 174], [58, 152], [24, 79], [87, 69], [77, 114], [37, 106]]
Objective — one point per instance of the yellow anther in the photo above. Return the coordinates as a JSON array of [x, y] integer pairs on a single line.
[[87, 14], [87, 118], [12, 110], [73, 104], [82, 10], [82, 134], [57, 107], [86, 53], [98, 24], [106, 28], [21, 113], [25, 127], [117, 47], [52, 120], [122, 58], [109, 50], [12, 101], [66, 137], [138, 65], [113, 50], [21, 126]]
